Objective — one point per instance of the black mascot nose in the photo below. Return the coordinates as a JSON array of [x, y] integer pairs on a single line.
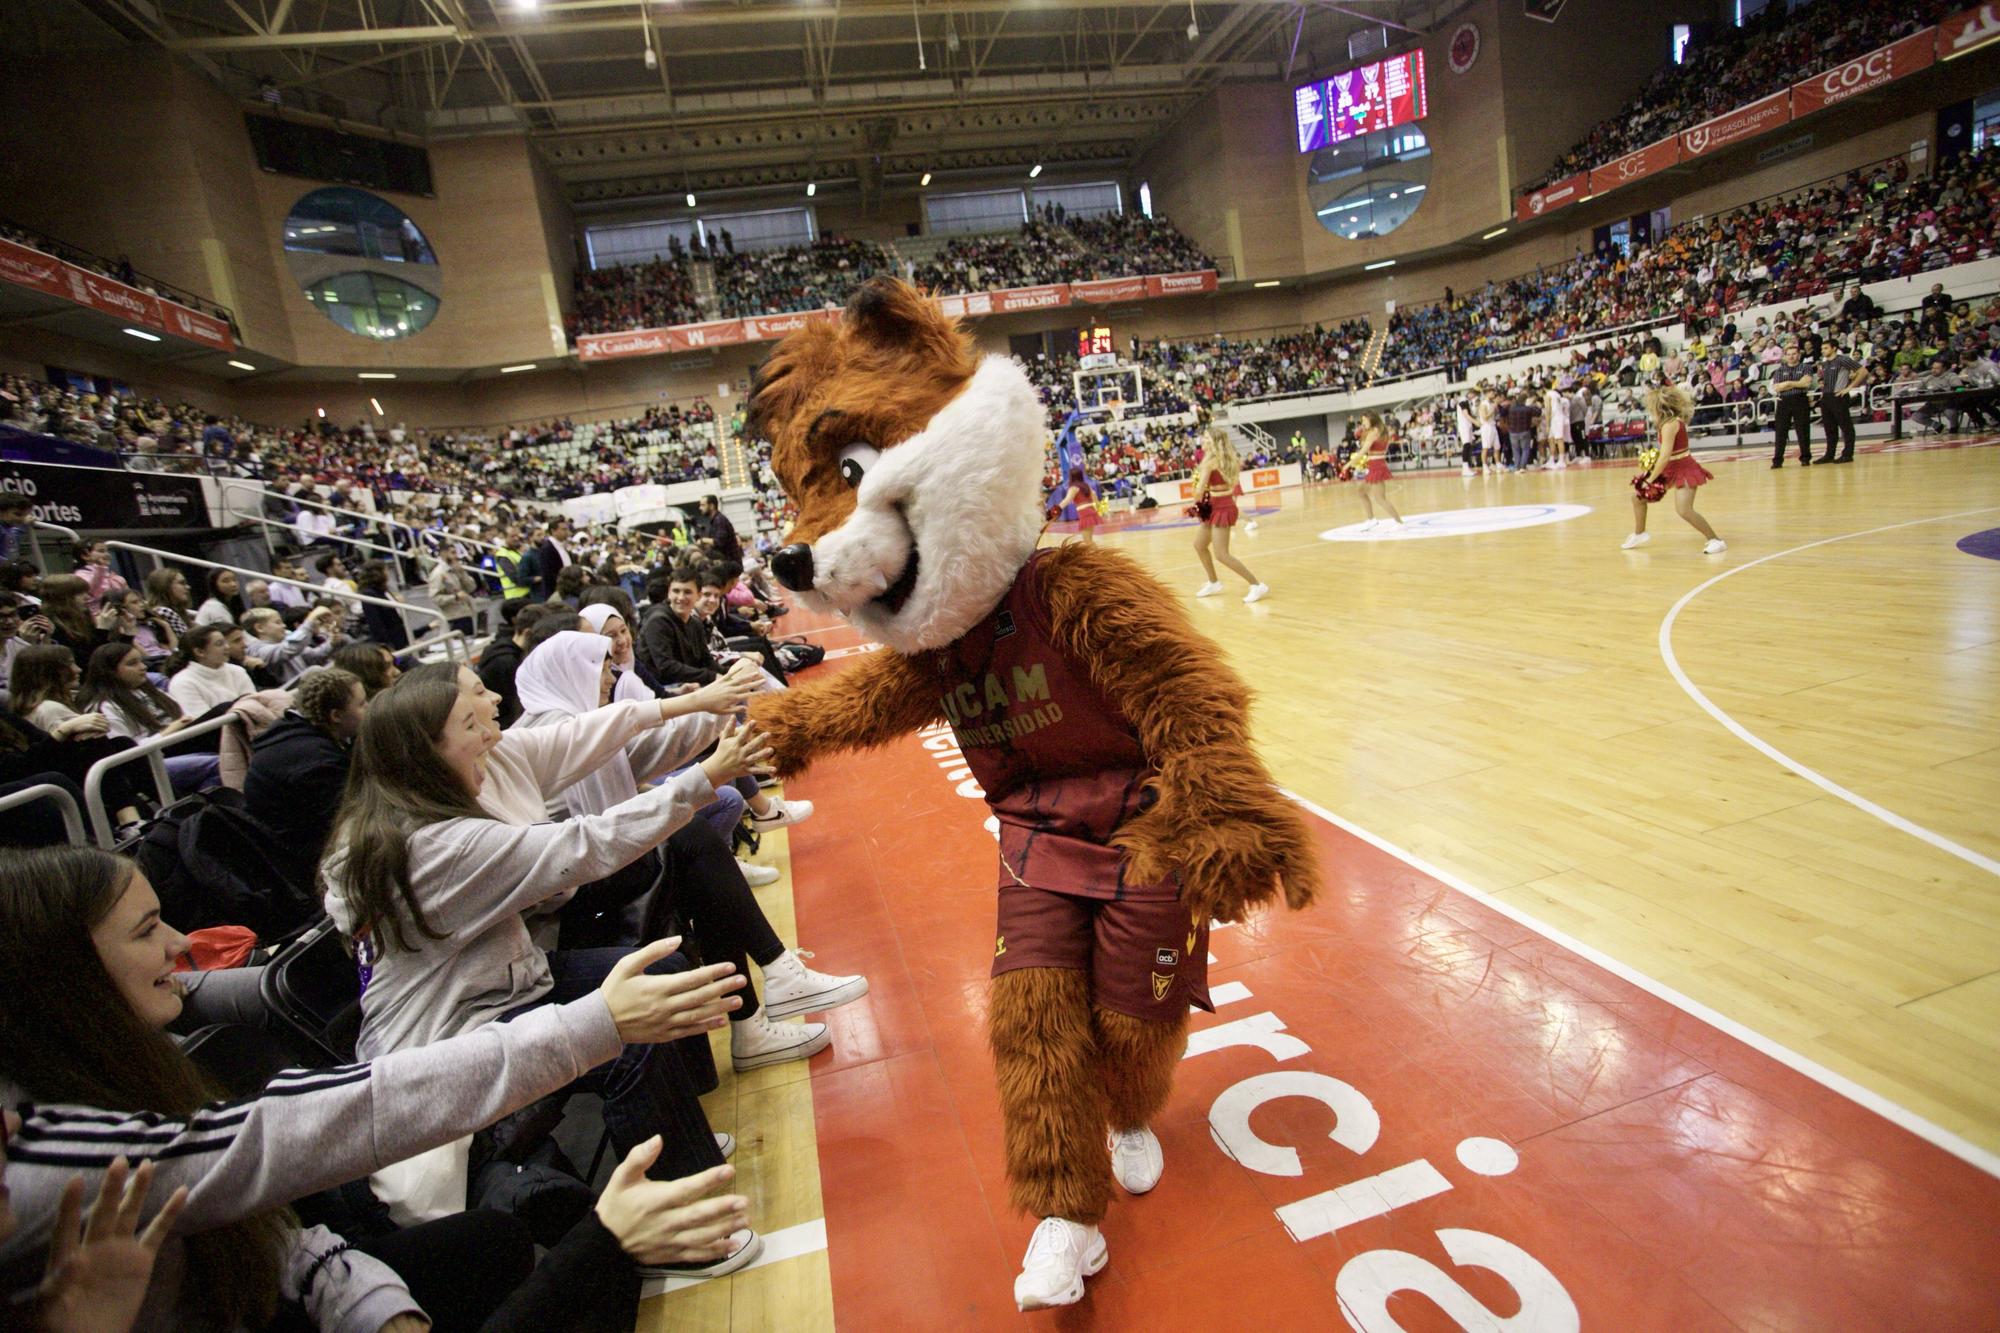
[[794, 567]]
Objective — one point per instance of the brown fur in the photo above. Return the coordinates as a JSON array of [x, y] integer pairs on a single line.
[[869, 704], [1220, 819], [1051, 1093], [1138, 1059], [876, 377]]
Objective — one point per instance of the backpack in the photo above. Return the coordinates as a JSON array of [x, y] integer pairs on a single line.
[[797, 654], [214, 864]]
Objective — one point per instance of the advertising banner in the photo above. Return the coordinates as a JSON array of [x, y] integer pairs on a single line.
[[31, 268], [1554, 195], [197, 327], [1966, 32], [1865, 73], [1656, 156], [1745, 122], [1181, 284], [765, 328], [1030, 298], [1106, 290], [97, 499], [633, 342], [714, 333]]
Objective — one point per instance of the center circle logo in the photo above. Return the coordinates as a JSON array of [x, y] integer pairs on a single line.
[[1457, 523]]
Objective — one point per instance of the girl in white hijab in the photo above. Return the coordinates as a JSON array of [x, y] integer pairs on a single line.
[[571, 674]]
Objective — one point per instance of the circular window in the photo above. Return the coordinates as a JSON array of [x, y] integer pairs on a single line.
[[1371, 184], [362, 262]]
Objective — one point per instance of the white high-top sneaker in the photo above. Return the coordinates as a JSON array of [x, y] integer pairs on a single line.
[[756, 1041], [1136, 1159], [1060, 1256], [790, 987]]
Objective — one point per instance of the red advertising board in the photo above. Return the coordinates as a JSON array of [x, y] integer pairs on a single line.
[[31, 268], [1962, 33], [1865, 73], [1107, 290], [1556, 194], [1030, 298], [714, 333], [1656, 156], [113, 297], [1181, 284], [767, 328], [197, 327], [1745, 122], [632, 342]]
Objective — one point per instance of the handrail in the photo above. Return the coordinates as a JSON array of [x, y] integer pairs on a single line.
[[49, 245], [72, 818], [322, 505], [149, 750], [316, 589]]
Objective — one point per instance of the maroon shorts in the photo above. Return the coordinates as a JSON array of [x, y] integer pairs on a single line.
[[1147, 958]]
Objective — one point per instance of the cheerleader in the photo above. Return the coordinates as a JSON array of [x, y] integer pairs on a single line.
[[1489, 432], [1215, 505], [1555, 420], [1084, 496], [1673, 469], [1374, 441]]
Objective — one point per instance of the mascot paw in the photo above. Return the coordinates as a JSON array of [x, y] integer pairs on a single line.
[[1231, 866]]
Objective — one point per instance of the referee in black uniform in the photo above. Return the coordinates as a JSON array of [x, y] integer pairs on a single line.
[[1839, 375], [1793, 383]]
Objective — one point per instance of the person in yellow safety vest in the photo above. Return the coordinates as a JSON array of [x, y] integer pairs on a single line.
[[507, 564]]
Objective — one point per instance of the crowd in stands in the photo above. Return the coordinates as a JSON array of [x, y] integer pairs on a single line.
[[1726, 67], [655, 294], [502, 859], [1053, 248], [1211, 371], [799, 277], [1870, 225]]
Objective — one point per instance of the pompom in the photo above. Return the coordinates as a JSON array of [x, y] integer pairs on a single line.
[[1649, 489]]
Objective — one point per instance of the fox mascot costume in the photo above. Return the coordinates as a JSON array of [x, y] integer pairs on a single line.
[[1111, 740]]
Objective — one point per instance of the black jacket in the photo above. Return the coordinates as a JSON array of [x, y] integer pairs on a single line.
[[548, 564], [676, 650], [293, 787], [497, 666]]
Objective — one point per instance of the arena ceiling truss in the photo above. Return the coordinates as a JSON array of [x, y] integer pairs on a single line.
[[631, 100]]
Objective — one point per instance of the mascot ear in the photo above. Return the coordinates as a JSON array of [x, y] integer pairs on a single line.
[[895, 315]]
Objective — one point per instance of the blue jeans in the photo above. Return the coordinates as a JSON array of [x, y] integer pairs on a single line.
[[190, 773], [647, 1090], [1524, 444]]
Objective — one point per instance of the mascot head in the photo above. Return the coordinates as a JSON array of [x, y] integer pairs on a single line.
[[916, 466]]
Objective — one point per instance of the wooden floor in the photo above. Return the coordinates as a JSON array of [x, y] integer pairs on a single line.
[[1498, 704]]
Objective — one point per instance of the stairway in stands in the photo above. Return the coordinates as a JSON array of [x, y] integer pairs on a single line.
[[734, 457], [702, 271], [1371, 355]]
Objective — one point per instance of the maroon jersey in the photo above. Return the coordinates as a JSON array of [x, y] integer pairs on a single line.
[[1061, 765]]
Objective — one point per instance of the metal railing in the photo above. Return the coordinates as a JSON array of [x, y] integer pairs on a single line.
[[72, 818], [416, 533], [149, 750], [82, 258], [403, 609]]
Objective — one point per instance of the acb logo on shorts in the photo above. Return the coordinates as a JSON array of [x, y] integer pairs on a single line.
[[1167, 958]]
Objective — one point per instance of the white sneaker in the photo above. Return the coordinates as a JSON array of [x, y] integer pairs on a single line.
[[1060, 1256], [727, 1143], [747, 1245], [1636, 539], [757, 1041], [1136, 1159], [790, 987], [1716, 546], [1258, 592], [783, 814], [1465, 469], [756, 876], [1209, 589]]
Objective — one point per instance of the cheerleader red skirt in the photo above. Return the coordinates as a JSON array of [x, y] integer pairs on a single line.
[[1684, 471], [1086, 517], [1221, 511], [1378, 470]]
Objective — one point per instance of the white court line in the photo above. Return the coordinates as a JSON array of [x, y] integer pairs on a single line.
[[790, 1243], [1965, 1151], [1771, 752]]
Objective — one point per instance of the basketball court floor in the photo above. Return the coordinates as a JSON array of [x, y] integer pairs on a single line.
[[1655, 983]]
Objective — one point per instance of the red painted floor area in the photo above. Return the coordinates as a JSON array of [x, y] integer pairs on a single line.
[[1666, 1176]]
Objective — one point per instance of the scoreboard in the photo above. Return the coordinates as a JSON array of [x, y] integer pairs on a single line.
[[1369, 97], [1094, 348]]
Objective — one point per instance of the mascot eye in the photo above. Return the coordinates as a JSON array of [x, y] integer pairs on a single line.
[[855, 460]]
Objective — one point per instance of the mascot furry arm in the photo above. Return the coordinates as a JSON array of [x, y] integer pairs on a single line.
[[916, 467]]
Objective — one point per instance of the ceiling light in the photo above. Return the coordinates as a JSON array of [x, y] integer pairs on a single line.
[[378, 374], [690, 199], [1036, 172], [925, 181], [1415, 189], [509, 370], [652, 60], [242, 365], [812, 188], [1268, 282], [376, 403], [141, 333], [1193, 30], [1497, 231], [1380, 263], [322, 413]]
